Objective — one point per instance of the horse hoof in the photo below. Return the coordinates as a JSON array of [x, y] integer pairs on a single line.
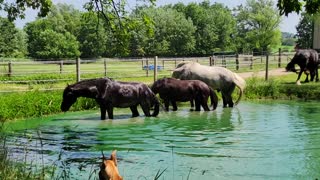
[[298, 83]]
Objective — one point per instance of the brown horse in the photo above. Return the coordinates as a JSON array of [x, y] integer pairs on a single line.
[[109, 94], [109, 168], [174, 90]]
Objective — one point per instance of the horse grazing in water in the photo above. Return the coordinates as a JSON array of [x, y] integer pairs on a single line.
[[308, 61], [218, 78], [109, 168], [109, 94], [174, 90]]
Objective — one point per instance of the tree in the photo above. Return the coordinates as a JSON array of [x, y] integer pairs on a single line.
[[214, 25], [288, 6], [12, 40], [173, 33], [304, 31], [258, 26], [17, 8], [92, 36], [57, 45]]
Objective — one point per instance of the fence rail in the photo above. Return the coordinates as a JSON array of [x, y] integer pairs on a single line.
[[35, 72]]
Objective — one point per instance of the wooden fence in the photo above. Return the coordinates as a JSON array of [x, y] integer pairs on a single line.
[[75, 70]]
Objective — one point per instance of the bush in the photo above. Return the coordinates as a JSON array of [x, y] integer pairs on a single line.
[[36, 104]]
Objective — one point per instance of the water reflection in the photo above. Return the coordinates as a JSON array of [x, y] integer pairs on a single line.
[[240, 143]]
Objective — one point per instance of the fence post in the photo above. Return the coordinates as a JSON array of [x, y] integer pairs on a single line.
[[210, 60], [142, 64], [279, 60], [251, 62], [105, 67], [155, 68], [61, 66], [147, 68], [267, 66], [163, 64], [9, 68], [237, 61], [78, 68]]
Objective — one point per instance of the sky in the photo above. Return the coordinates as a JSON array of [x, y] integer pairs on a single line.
[[288, 24]]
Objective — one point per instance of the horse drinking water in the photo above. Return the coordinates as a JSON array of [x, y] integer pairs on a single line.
[[109, 94]]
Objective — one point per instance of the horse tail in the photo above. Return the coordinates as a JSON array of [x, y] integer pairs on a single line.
[[156, 106], [241, 84], [213, 98]]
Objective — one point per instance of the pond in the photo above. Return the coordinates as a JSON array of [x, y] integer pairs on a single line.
[[255, 140]]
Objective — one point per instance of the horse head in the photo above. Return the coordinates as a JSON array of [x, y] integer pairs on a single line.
[[69, 98], [290, 67], [108, 168]]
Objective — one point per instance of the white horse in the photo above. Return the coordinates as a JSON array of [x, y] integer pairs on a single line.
[[218, 78]]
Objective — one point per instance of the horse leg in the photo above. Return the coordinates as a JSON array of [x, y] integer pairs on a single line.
[[166, 104], [299, 75], [317, 75], [204, 103], [110, 111], [103, 110], [134, 110], [146, 109], [192, 104], [198, 104], [224, 100], [307, 78], [230, 102], [174, 105]]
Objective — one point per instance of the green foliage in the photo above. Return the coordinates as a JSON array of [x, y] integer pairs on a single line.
[[214, 24], [12, 40], [92, 36], [173, 33], [17, 8], [55, 36], [36, 104], [288, 6], [304, 31], [276, 88], [258, 26], [108, 30], [258, 88], [57, 45]]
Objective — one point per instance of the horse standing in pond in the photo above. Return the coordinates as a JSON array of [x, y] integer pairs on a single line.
[[174, 90], [218, 78], [308, 61], [109, 94]]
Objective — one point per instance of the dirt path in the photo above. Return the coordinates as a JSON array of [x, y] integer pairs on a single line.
[[273, 72]]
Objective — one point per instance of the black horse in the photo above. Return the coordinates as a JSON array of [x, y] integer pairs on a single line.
[[109, 94], [308, 61], [174, 90]]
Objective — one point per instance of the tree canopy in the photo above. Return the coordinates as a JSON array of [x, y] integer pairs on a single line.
[[109, 30], [288, 6]]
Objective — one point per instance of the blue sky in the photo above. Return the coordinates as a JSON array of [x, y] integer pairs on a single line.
[[288, 24]]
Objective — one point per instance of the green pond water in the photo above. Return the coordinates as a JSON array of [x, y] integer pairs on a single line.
[[255, 140]]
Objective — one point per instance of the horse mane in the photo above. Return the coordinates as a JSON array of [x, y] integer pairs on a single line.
[[89, 82]]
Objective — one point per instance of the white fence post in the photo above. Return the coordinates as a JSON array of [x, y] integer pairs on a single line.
[[78, 68], [155, 68]]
